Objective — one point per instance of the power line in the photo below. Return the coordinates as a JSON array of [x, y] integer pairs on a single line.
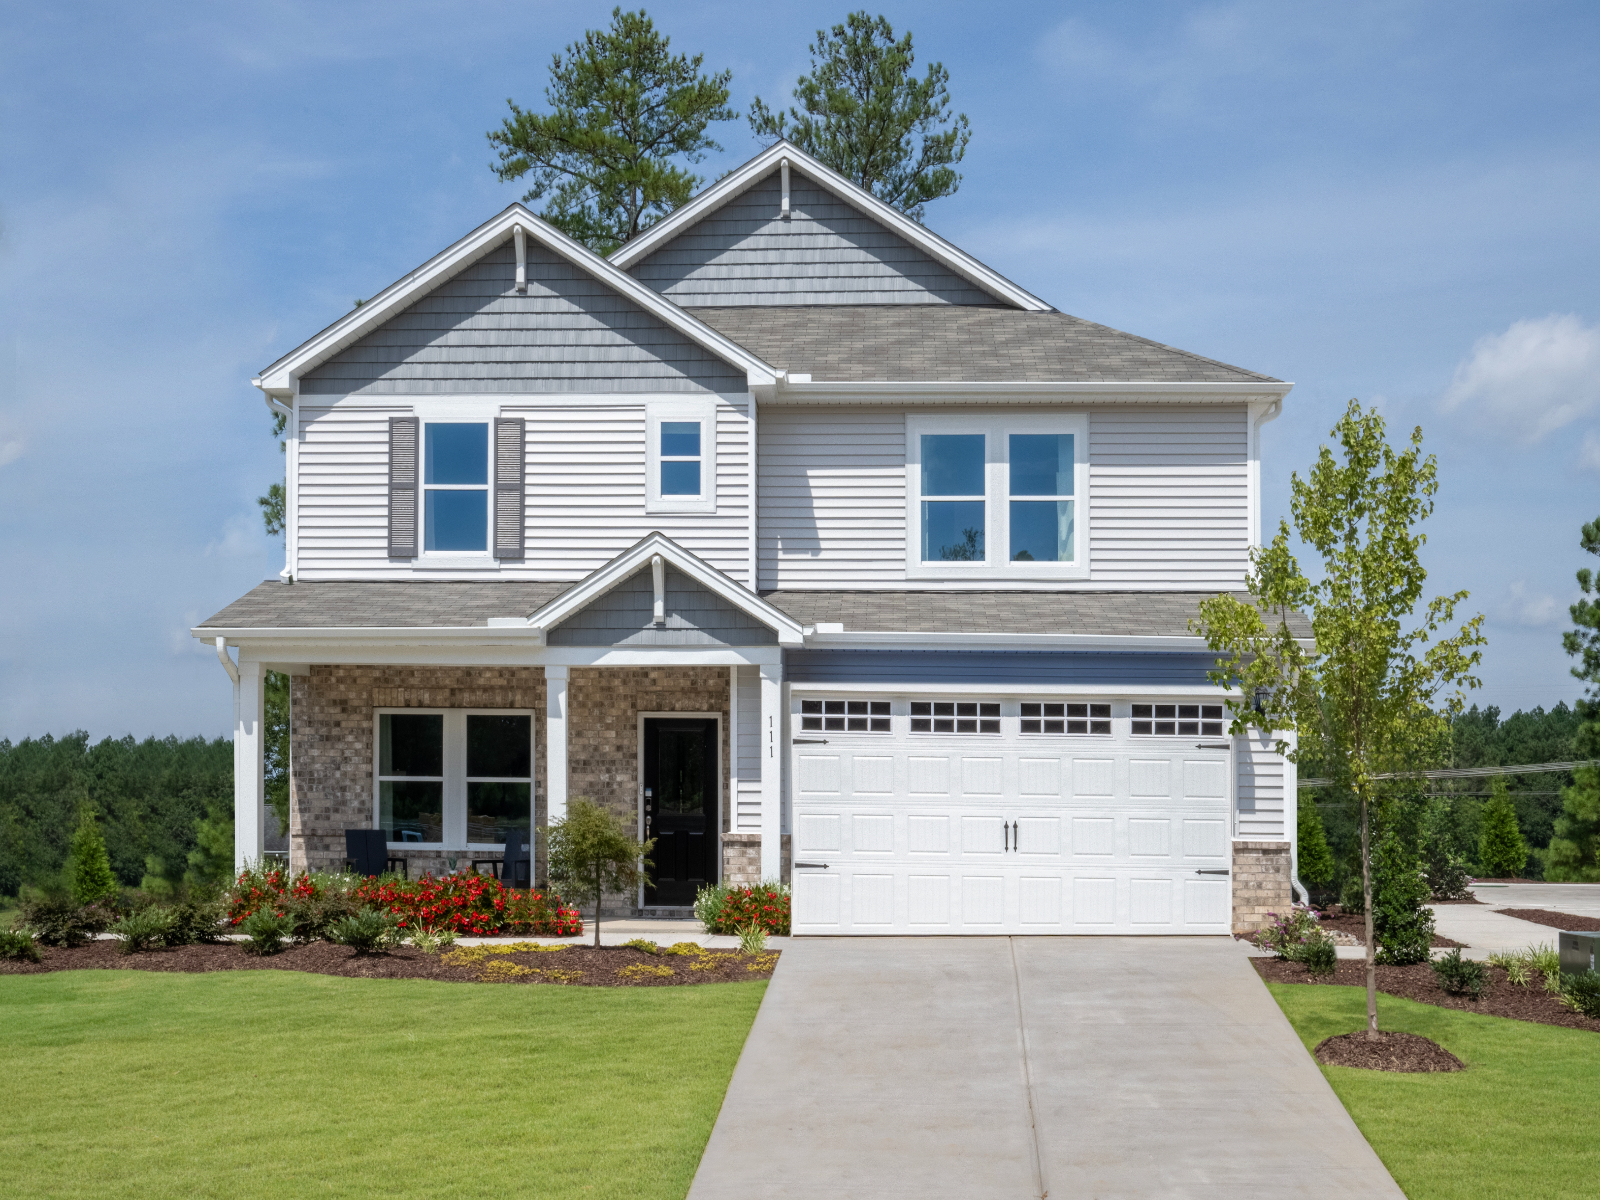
[[1463, 772]]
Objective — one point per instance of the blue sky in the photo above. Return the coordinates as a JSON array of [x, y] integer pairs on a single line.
[[1394, 201]]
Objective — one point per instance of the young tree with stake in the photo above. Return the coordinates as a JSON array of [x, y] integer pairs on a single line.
[[1375, 696], [592, 853]]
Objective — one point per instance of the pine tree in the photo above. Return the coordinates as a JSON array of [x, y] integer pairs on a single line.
[[1315, 858], [623, 109], [88, 866], [211, 862], [1502, 852], [1574, 853], [870, 119]]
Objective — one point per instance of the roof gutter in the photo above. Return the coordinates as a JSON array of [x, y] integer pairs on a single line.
[[792, 389]]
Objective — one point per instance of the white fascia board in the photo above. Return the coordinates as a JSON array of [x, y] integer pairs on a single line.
[[340, 650], [1098, 690], [636, 558], [278, 380], [742, 178], [999, 641], [880, 392]]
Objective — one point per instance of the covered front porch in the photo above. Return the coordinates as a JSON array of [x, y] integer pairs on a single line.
[[653, 688]]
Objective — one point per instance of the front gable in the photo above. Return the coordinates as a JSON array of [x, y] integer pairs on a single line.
[[693, 615], [569, 332]]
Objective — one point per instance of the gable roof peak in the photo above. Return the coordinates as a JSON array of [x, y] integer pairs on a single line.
[[763, 164]]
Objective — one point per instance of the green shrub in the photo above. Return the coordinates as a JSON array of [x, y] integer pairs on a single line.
[[1517, 964], [752, 939], [433, 941], [644, 944], [1448, 879], [88, 866], [18, 946], [1546, 960], [313, 917], [1402, 925], [723, 908], [366, 932], [1352, 897], [1286, 933], [1461, 976], [265, 931], [1318, 955], [1582, 993], [58, 920], [195, 918], [1502, 852], [143, 929]]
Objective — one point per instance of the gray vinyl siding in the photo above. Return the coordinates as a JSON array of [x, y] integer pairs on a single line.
[[569, 333], [1169, 498], [1262, 797], [694, 617], [747, 753], [1114, 671], [584, 491], [828, 252], [833, 498]]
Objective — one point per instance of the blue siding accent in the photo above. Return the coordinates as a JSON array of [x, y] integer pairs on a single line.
[[695, 617], [1111, 669]]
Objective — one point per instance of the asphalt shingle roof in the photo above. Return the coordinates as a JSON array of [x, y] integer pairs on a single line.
[[958, 343], [432, 604]]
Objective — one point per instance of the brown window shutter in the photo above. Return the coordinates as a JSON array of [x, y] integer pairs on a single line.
[[402, 487], [509, 459]]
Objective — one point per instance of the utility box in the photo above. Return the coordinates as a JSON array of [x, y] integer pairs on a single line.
[[1578, 951]]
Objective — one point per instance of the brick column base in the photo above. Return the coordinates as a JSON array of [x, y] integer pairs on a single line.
[[1260, 883], [741, 859]]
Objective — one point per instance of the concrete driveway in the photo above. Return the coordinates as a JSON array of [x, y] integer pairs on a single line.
[[1028, 1067]]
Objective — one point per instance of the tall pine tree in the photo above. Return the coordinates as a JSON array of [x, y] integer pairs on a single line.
[[1574, 853], [88, 866], [1502, 852]]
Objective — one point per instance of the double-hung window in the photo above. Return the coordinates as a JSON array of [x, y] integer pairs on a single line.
[[680, 456], [455, 487], [996, 497], [453, 779]]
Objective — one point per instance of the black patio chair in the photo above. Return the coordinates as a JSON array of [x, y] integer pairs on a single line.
[[366, 852], [516, 868]]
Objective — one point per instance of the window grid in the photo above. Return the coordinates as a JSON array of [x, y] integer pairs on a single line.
[[954, 716], [1084, 718], [1181, 720], [845, 716]]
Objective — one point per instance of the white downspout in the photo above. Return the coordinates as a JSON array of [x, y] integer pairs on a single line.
[[227, 663], [279, 409]]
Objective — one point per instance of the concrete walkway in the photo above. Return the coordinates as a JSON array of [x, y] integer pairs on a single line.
[[1027, 1067], [1487, 932]]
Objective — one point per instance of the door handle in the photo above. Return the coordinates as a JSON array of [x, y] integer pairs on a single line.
[[823, 866], [1212, 746], [1016, 841], [1005, 837]]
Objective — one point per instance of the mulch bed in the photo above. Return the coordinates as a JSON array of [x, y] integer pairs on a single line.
[[1556, 920], [1387, 1052], [609, 966], [1418, 982]]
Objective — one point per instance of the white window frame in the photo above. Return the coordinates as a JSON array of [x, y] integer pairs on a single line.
[[454, 414], [997, 494], [455, 773], [703, 411]]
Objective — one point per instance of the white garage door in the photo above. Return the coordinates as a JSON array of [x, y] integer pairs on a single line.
[[901, 834]]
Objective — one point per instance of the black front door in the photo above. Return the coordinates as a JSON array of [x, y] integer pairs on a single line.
[[680, 806]]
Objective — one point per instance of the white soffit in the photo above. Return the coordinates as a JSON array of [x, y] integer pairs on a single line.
[[278, 380], [763, 164]]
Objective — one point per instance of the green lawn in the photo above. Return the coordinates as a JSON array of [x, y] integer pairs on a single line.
[[277, 1083], [1520, 1121]]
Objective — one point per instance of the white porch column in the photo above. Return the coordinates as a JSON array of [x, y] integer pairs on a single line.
[[555, 747], [773, 751], [249, 765]]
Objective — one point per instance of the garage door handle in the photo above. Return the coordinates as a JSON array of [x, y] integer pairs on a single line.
[[809, 741], [1211, 871], [1212, 746], [824, 866]]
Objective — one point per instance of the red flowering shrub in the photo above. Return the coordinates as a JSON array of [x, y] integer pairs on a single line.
[[726, 909], [473, 905]]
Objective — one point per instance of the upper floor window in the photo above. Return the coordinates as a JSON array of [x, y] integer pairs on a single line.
[[680, 456], [455, 482], [996, 496]]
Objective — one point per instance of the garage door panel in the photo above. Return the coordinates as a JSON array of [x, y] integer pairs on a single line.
[[1094, 777], [928, 901], [1039, 776], [1205, 838], [1094, 900], [872, 775], [982, 777], [872, 901], [818, 833], [818, 773], [1039, 900], [1094, 837], [983, 900], [1038, 837], [1149, 902], [1206, 902], [927, 776], [816, 899], [1205, 779], [1150, 778], [872, 833], [928, 833], [983, 835]]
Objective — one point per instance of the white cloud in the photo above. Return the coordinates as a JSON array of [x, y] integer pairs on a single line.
[[10, 451], [241, 536], [1536, 377], [1530, 610]]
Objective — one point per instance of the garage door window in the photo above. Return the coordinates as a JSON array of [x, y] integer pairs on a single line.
[[1181, 720], [845, 716], [954, 716], [1045, 718]]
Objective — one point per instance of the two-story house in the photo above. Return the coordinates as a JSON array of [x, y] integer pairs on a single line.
[[792, 533]]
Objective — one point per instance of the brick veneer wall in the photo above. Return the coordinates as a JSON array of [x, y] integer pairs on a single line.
[[331, 732], [1261, 883], [741, 858]]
